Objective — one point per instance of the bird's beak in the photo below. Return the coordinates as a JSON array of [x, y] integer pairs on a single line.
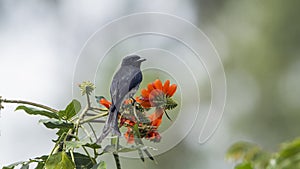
[[142, 59]]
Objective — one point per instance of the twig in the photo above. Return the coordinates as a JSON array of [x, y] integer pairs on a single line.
[[88, 101], [29, 103], [117, 160], [94, 117], [97, 121], [94, 132], [115, 142], [55, 146], [97, 108]]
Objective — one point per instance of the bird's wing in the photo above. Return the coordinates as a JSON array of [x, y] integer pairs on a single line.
[[125, 80], [136, 80]]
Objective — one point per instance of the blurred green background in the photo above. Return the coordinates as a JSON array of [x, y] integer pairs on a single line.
[[258, 42]]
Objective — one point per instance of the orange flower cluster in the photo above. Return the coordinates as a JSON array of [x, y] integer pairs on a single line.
[[156, 95]]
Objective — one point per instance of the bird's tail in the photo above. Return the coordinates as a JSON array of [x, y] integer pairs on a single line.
[[111, 125]]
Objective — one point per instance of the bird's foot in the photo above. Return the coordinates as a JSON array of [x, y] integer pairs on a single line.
[[133, 101]]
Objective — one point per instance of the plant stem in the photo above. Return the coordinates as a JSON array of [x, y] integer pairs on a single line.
[[88, 154], [29, 103], [97, 108], [115, 142], [88, 101], [56, 144], [94, 132], [94, 117], [117, 160]]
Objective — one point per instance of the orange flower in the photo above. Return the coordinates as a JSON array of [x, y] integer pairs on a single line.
[[156, 117], [107, 103], [103, 101], [129, 135], [153, 136], [156, 93]]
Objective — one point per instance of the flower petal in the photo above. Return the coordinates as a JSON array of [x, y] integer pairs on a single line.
[[150, 87], [105, 102], [129, 136], [166, 86], [156, 117], [145, 93], [172, 90], [158, 84], [146, 104]]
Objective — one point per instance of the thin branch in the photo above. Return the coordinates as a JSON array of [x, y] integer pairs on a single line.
[[97, 121], [91, 114], [115, 142], [97, 108], [88, 101], [117, 160], [55, 146], [94, 117], [94, 132], [28, 103]]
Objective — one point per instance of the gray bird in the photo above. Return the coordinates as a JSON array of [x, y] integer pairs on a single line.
[[124, 85]]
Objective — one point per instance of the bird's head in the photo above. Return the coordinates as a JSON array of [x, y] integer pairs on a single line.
[[133, 60]]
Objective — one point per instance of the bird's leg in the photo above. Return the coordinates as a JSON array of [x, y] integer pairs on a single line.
[[133, 101]]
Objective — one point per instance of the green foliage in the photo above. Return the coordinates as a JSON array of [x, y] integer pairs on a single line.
[[83, 161], [289, 155], [71, 121], [252, 156], [25, 164], [71, 110], [171, 104], [245, 165], [101, 165], [78, 144], [58, 161], [12, 166], [54, 123], [33, 111]]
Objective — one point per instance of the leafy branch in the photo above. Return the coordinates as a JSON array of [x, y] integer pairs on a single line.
[[251, 156], [70, 121]]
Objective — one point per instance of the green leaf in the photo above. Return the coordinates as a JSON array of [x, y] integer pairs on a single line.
[[11, 166], [170, 104], [62, 131], [83, 161], [54, 123], [290, 149], [25, 166], [78, 144], [246, 152], [74, 144], [72, 109], [101, 165], [58, 161], [289, 155], [93, 146], [241, 150], [43, 158], [40, 161], [40, 165], [33, 111], [245, 165], [136, 130]]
